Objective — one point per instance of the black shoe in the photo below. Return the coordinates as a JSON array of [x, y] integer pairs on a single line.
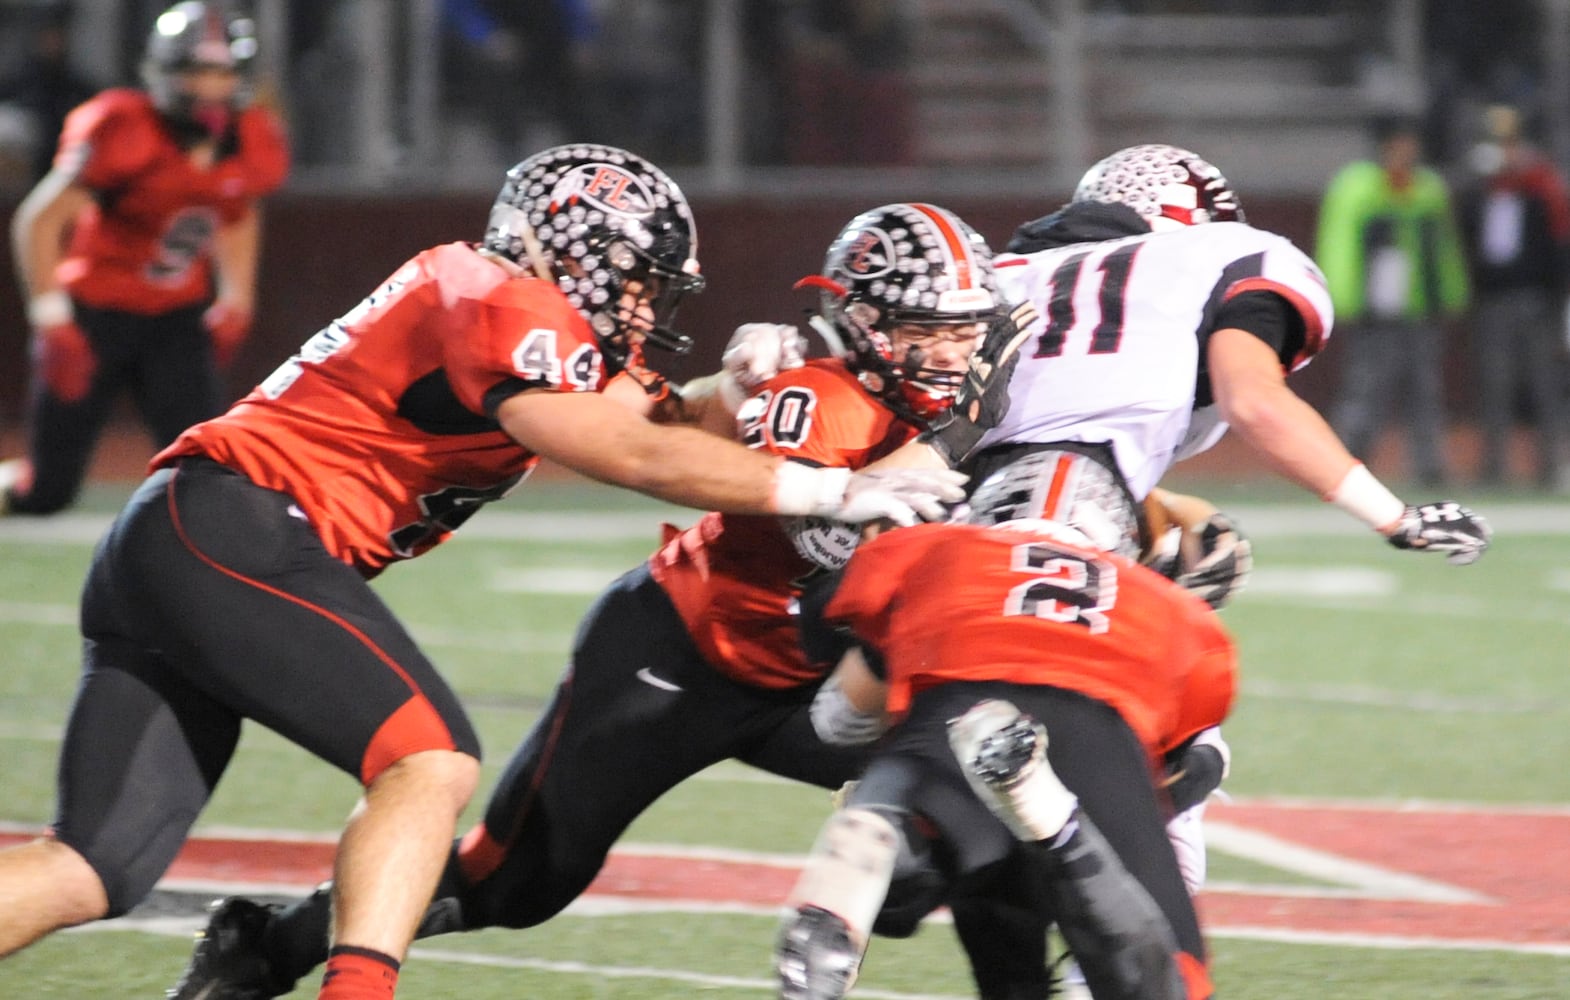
[[228, 962]]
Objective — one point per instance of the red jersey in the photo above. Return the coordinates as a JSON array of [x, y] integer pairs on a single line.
[[735, 578], [955, 602], [382, 428], [144, 246]]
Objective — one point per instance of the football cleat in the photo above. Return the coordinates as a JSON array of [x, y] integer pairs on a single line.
[[1003, 753], [815, 956], [228, 962]]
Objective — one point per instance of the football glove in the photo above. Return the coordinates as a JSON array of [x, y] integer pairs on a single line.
[[1219, 569], [65, 360], [983, 398], [756, 353], [1445, 526], [838, 723], [903, 496]]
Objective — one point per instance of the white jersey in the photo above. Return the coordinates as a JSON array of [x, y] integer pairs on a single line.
[[1117, 354]]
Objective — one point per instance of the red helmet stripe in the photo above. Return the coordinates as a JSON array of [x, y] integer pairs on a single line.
[[955, 244]]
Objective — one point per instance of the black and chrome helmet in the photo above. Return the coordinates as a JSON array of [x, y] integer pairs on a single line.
[[897, 265], [592, 218], [1168, 186], [192, 35]]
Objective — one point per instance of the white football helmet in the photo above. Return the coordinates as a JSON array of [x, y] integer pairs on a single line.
[[1169, 187]]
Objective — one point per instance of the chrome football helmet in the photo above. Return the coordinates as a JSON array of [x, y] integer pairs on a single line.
[[592, 218], [193, 35], [897, 265], [1169, 187]]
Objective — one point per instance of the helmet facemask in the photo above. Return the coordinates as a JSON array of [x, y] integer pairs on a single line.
[[900, 377], [603, 224]]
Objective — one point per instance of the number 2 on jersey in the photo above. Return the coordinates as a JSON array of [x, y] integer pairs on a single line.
[[1112, 272]]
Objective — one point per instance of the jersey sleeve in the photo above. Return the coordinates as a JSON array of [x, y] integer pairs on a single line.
[[1291, 274], [520, 335], [107, 141]]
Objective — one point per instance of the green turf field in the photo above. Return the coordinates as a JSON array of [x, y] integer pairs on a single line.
[[1369, 675]]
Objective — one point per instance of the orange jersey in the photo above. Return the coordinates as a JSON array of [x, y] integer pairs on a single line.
[[951, 602], [382, 427], [144, 246], [735, 579]]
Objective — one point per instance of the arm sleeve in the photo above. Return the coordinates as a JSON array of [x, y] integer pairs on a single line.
[[1268, 316]]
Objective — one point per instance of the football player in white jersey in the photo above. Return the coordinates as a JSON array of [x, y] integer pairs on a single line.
[[1156, 333]]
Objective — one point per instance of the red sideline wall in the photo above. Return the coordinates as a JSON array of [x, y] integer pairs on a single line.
[[323, 253]]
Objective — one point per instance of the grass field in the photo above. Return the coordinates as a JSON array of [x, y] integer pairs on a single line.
[[1388, 684]]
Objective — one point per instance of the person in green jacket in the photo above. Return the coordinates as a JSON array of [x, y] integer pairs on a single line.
[[1393, 259]]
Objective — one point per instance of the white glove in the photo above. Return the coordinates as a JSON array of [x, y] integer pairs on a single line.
[[838, 723], [756, 353], [902, 495]]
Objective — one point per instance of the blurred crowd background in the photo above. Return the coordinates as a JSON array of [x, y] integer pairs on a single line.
[[781, 118], [987, 93]]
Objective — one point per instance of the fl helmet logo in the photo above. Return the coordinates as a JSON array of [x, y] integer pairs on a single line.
[[869, 254], [606, 187]]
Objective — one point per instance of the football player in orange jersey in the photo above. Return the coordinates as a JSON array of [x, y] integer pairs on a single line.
[[717, 671], [137, 252], [234, 585], [972, 635]]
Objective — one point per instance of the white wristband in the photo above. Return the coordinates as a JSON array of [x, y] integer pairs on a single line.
[[49, 309], [801, 490], [1367, 499]]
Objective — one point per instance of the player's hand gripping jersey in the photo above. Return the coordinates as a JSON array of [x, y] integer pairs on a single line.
[[382, 428], [735, 579], [1118, 353], [953, 602], [144, 245]]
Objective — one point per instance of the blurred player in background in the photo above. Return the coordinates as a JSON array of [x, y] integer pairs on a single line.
[[234, 584], [974, 635], [137, 252], [715, 669]]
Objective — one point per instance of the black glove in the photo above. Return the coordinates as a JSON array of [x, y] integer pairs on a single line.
[[1443, 526], [1193, 772], [984, 398]]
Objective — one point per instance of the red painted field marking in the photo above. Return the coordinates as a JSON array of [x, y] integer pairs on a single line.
[[1518, 861]]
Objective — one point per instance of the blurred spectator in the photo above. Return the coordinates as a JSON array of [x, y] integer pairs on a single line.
[[37, 95], [1478, 54], [1516, 220], [1392, 255], [850, 100]]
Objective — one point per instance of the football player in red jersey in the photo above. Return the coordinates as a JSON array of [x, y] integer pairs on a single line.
[[718, 671], [234, 583], [972, 635], [137, 252]]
